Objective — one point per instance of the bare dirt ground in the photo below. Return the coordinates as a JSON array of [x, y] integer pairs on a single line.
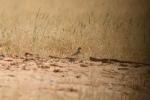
[[34, 78]]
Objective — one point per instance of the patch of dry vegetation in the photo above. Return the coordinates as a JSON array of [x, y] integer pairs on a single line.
[[112, 29]]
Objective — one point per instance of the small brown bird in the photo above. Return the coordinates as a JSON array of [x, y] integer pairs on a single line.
[[27, 54], [1, 56], [77, 52]]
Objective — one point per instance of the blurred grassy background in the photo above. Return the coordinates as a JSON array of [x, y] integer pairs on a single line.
[[103, 28]]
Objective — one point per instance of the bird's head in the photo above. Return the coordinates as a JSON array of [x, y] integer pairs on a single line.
[[79, 48]]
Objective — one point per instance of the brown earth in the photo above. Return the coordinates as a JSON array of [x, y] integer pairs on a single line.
[[35, 78]]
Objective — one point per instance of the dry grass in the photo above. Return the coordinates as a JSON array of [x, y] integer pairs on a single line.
[[112, 29]]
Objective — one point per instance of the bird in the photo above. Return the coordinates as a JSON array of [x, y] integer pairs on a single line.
[[1, 56], [77, 52], [27, 54]]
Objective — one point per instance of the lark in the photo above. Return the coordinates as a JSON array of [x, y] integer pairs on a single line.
[[78, 51]]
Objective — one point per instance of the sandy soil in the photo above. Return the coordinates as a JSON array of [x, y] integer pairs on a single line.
[[34, 78]]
